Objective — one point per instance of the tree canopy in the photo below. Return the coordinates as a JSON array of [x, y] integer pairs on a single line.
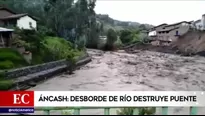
[[70, 19]]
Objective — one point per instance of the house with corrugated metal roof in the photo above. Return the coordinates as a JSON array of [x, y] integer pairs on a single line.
[[22, 21], [164, 34]]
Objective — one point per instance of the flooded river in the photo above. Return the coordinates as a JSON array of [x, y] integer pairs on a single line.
[[142, 71]]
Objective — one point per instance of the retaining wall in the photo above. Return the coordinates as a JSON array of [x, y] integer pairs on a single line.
[[14, 73]]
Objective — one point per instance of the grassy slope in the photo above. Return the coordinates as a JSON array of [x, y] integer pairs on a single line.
[[10, 58]]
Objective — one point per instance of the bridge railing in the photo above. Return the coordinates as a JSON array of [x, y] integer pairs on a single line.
[[193, 110]]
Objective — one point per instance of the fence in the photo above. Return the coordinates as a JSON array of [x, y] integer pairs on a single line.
[[193, 110]]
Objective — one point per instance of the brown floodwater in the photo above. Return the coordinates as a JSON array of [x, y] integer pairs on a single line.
[[141, 71]]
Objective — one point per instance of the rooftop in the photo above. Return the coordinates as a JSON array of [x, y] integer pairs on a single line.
[[17, 16], [168, 29], [5, 30], [4, 8], [160, 25], [197, 21], [177, 23]]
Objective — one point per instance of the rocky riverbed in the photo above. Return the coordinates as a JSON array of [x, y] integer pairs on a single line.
[[141, 71]]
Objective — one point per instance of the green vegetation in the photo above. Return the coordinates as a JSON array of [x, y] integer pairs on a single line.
[[73, 20], [131, 37], [59, 48], [142, 111], [118, 43], [109, 23], [10, 58], [111, 38], [45, 48], [4, 83], [65, 29], [116, 40]]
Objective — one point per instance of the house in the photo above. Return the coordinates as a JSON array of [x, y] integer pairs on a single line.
[[164, 34], [197, 24], [22, 21], [153, 32], [5, 37], [200, 23]]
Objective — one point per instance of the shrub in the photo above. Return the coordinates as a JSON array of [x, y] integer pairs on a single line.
[[111, 38], [54, 48], [132, 37], [5, 84], [71, 61], [118, 43], [10, 58], [81, 42], [2, 75], [10, 54], [125, 36], [6, 64], [142, 111]]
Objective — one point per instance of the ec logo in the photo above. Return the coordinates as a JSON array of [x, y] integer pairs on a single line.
[[20, 99]]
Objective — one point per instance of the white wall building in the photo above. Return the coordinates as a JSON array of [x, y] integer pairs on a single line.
[[22, 21], [203, 22], [26, 22], [200, 24], [152, 33]]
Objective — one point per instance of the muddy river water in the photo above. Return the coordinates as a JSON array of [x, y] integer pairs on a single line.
[[141, 71]]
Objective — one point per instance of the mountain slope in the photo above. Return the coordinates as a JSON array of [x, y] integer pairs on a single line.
[[109, 22]]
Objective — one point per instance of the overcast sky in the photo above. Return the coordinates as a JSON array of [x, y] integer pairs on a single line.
[[152, 11]]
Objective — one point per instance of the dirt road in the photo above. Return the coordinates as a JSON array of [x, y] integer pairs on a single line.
[[141, 71]]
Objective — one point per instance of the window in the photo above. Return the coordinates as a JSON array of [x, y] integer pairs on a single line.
[[30, 24], [177, 33]]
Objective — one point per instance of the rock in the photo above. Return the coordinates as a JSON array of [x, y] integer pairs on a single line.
[[185, 78], [128, 82], [131, 63], [33, 84], [142, 82]]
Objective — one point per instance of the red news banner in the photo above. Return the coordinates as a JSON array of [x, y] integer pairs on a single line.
[[23, 101], [17, 102]]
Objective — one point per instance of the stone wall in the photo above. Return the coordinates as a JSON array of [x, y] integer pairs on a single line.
[[14, 73], [33, 69]]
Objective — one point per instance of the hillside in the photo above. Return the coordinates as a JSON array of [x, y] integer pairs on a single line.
[[109, 22]]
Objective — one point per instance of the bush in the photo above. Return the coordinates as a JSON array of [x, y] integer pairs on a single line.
[[6, 64], [56, 48], [10, 58], [81, 42], [111, 38], [132, 37], [118, 43], [5, 84], [125, 36], [2, 75], [142, 111]]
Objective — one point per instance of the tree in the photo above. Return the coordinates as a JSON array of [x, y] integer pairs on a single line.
[[111, 38], [125, 36]]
